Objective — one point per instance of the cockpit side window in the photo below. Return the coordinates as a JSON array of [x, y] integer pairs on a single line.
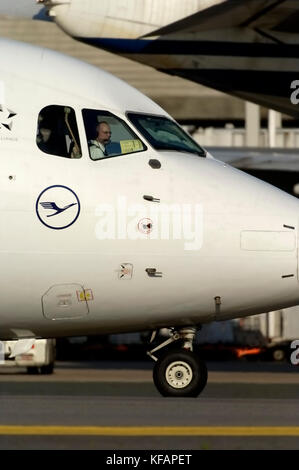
[[109, 136], [57, 132], [165, 134]]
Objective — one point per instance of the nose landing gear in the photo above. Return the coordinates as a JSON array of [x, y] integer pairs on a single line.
[[180, 372]]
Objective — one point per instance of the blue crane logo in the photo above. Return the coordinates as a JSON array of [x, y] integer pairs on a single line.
[[63, 203]]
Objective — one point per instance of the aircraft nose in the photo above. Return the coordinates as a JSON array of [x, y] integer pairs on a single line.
[[268, 221], [249, 253]]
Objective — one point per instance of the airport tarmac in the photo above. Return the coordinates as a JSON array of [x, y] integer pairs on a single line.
[[114, 405]]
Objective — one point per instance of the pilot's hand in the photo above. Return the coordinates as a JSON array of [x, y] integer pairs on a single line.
[[76, 153]]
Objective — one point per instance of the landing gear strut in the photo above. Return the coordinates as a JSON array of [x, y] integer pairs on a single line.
[[180, 372]]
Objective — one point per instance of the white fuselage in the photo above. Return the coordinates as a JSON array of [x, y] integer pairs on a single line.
[[66, 280]]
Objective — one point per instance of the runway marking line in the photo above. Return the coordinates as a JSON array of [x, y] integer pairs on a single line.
[[151, 430]]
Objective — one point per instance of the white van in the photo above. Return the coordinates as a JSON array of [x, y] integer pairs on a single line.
[[39, 359]]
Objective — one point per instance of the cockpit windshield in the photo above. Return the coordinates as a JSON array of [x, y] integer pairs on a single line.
[[108, 135], [164, 134]]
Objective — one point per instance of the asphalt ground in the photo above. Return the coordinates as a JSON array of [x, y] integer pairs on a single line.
[[114, 405]]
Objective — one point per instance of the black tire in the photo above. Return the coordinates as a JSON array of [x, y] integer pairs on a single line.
[[278, 354], [180, 374], [32, 370], [47, 369]]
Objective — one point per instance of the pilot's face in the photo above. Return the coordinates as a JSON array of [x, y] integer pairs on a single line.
[[45, 133], [104, 134]]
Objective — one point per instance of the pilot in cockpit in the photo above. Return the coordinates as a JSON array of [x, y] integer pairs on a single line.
[[97, 147], [45, 139]]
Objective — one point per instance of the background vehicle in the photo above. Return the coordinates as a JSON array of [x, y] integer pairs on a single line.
[[279, 328], [40, 358]]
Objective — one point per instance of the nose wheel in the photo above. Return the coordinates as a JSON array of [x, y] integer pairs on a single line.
[[180, 374]]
